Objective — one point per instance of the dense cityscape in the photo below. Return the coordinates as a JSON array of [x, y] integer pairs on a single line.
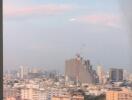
[[80, 81], [41, 37]]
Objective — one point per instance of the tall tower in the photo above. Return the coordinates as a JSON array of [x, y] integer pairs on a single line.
[[79, 70], [23, 71], [101, 74], [126, 75], [116, 74]]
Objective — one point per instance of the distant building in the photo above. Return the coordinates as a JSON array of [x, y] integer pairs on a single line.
[[101, 74], [116, 74], [77, 97], [125, 75], [60, 98], [10, 98], [7, 75], [119, 95], [23, 71], [79, 70], [35, 70], [130, 77]]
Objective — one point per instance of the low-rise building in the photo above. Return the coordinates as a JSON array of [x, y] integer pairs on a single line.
[[68, 97], [10, 98], [119, 95]]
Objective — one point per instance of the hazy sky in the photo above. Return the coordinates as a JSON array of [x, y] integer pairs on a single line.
[[45, 33]]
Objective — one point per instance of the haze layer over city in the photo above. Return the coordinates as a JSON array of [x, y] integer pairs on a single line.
[[45, 33]]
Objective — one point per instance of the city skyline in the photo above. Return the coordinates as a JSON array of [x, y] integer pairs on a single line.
[[46, 33], [80, 82], [99, 68]]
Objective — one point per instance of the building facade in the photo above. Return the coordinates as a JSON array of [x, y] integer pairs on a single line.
[[68, 97], [119, 95], [79, 70], [116, 74], [101, 74]]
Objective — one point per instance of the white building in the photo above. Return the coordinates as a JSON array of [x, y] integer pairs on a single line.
[[101, 74], [34, 92], [23, 71]]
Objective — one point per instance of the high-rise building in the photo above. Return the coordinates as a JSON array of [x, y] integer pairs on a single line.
[[23, 71], [79, 70], [130, 77], [116, 74], [126, 75], [101, 74]]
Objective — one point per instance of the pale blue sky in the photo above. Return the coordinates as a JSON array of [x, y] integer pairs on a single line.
[[47, 32]]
